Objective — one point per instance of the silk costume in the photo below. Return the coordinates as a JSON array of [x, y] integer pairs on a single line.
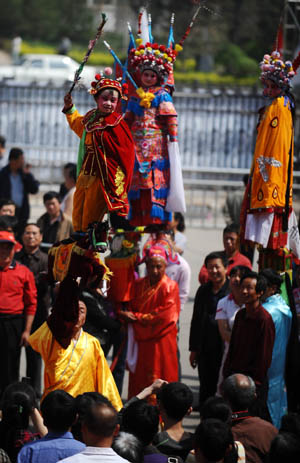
[[157, 310], [107, 153], [79, 368], [282, 319], [150, 127], [268, 196]]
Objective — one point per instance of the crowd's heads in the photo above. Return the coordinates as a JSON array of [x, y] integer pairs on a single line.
[[179, 221], [2, 144], [16, 158], [8, 223], [216, 255], [58, 411], [129, 447], [70, 174], [32, 236], [175, 400], [253, 286], [17, 403], [239, 391], [216, 407], [51, 202], [285, 448], [231, 239], [141, 419], [214, 442], [7, 207], [8, 246], [274, 281], [84, 403], [99, 422]]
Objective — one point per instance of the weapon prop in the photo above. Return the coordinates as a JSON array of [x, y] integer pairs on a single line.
[[187, 32], [119, 63], [150, 28], [131, 41], [91, 46]]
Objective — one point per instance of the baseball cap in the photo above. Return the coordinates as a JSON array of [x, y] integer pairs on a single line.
[[8, 237]]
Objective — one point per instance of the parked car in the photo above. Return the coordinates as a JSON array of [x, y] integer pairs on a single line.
[[57, 69]]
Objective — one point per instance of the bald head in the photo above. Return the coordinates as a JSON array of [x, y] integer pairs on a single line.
[[240, 391]]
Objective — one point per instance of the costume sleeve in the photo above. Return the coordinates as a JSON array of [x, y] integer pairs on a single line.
[[75, 121], [29, 294], [165, 105], [105, 382], [39, 339], [264, 349]]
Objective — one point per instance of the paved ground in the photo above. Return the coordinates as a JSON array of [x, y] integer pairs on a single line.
[[199, 243]]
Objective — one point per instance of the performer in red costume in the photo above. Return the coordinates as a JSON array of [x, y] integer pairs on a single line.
[[106, 155], [154, 315]]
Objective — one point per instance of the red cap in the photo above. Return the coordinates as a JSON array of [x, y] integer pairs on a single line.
[[8, 237]]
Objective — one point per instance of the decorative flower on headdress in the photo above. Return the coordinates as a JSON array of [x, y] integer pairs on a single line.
[[103, 81], [275, 69]]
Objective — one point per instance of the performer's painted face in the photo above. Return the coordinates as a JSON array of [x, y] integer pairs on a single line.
[[271, 90], [149, 78], [156, 267], [107, 100]]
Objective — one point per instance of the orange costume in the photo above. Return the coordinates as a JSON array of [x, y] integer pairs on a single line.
[[157, 311], [107, 163]]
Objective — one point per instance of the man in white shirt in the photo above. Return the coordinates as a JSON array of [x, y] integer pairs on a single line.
[[98, 427]]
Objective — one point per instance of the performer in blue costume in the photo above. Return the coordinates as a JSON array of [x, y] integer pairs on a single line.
[[282, 318]]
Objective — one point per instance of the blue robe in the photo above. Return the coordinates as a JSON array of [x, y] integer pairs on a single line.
[[282, 318]]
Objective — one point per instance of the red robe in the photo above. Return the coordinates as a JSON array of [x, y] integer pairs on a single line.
[[157, 311]]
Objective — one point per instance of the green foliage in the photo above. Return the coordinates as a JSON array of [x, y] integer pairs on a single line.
[[95, 59], [196, 78], [234, 61], [37, 47]]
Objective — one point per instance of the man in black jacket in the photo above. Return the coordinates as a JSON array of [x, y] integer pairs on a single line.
[[16, 182], [205, 343]]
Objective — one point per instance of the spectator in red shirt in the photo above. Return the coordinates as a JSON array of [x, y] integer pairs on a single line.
[[17, 308], [231, 246]]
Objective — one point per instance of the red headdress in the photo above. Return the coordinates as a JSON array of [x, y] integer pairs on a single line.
[[103, 81]]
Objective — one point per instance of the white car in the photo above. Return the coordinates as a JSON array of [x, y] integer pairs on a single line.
[[39, 68]]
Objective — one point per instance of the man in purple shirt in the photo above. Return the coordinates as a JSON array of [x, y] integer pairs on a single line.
[[59, 413], [252, 339]]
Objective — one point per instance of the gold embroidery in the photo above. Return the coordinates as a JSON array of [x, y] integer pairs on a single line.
[[274, 122], [275, 193], [260, 195], [119, 181]]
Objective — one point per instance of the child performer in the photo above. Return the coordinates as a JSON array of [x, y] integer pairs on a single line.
[[269, 218], [106, 155], [153, 122]]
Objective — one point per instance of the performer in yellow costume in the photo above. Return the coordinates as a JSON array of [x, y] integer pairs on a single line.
[[74, 360], [267, 213]]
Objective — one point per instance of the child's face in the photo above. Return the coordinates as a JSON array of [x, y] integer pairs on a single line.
[[149, 78], [271, 89], [107, 101]]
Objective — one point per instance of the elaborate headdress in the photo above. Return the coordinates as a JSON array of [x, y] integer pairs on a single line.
[[160, 245], [275, 69], [103, 81], [153, 56]]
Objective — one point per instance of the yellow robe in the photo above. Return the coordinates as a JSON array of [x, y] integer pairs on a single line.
[[274, 146], [79, 368]]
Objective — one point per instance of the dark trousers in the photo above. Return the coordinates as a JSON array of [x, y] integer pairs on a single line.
[[34, 369], [11, 328], [119, 343], [209, 364]]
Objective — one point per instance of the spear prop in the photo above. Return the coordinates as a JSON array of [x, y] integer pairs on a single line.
[[124, 70], [91, 46], [187, 32]]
